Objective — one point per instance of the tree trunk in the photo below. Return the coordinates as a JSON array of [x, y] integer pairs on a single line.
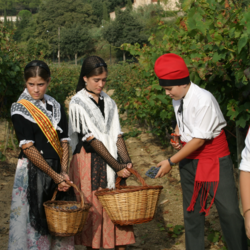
[[12, 139], [124, 56], [7, 139], [75, 58], [58, 55]]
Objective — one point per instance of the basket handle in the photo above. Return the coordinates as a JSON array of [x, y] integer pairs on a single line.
[[134, 172], [74, 186]]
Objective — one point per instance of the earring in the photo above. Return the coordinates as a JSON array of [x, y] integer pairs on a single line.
[[86, 84]]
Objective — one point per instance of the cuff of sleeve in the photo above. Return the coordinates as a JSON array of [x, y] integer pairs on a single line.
[[87, 136], [244, 166], [25, 142], [201, 134], [66, 139]]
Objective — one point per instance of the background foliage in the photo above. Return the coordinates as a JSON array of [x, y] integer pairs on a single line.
[[214, 42], [11, 83]]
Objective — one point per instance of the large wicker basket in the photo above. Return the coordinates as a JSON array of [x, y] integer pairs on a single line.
[[128, 205], [63, 221]]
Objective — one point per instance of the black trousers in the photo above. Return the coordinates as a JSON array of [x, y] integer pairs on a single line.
[[226, 201]]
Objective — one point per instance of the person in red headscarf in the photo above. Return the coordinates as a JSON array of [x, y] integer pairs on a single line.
[[204, 158]]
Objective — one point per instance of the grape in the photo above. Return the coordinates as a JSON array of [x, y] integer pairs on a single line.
[[152, 172], [69, 208]]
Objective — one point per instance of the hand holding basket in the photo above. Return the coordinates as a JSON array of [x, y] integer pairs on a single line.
[[128, 205], [66, 218]]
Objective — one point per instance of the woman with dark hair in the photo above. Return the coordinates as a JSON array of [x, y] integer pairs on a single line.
[[96, 141], [41, 127]]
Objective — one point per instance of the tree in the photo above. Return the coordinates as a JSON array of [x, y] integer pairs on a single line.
[[129, 4], [113, 4], [76, 40], [124, 29], [6, 5], [11, 74], [37, 47], [105, 12], [5, 18], [24, 18], [67, 12]]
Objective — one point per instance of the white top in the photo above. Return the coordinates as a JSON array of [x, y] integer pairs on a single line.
[[202, 117], [245, 155]]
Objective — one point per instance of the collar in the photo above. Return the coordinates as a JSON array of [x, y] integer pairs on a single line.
[[188, 95]]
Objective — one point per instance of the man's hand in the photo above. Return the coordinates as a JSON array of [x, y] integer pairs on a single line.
[[165, 168], [176, 142], [176, 145]]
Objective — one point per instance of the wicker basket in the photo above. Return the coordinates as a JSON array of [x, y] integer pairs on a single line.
[[66, 222], [129, 205]]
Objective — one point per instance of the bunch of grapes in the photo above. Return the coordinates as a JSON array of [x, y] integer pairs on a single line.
[[152, 172], [71, 208], [68, 208]]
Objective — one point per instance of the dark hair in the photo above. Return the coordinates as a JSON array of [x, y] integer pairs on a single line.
[[37, 68], [92, 66]]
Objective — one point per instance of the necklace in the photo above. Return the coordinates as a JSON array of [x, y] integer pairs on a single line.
[[92, 92]]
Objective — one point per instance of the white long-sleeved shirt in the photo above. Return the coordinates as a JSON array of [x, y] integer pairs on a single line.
[[202, 117]]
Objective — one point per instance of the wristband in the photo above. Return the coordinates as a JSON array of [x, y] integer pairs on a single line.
[[170, 162]]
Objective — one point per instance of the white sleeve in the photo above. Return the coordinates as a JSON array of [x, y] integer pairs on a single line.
[[245, 155], [23, 142], [205, 122]]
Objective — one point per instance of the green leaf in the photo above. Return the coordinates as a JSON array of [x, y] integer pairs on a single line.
[[210, 237], [163, 99], [242, 42], [217, 37], [163, 114], [156, 86], [241, 122], [186, 4], [237, 33], [216, 57]]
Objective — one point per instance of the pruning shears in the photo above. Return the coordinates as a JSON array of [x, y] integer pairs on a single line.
[[173, 137]]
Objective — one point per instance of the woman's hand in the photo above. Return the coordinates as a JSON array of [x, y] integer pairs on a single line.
[[165, 168], [65, 175], [124, 173], [63, 186]]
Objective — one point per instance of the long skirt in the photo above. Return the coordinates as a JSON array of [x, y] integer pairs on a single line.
[[22, 236], [99, 230]]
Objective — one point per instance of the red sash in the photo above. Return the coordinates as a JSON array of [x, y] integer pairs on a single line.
[[208, 169], [45, 125]]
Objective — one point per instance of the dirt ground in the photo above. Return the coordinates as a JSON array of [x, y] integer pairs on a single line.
[[165, 232]]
